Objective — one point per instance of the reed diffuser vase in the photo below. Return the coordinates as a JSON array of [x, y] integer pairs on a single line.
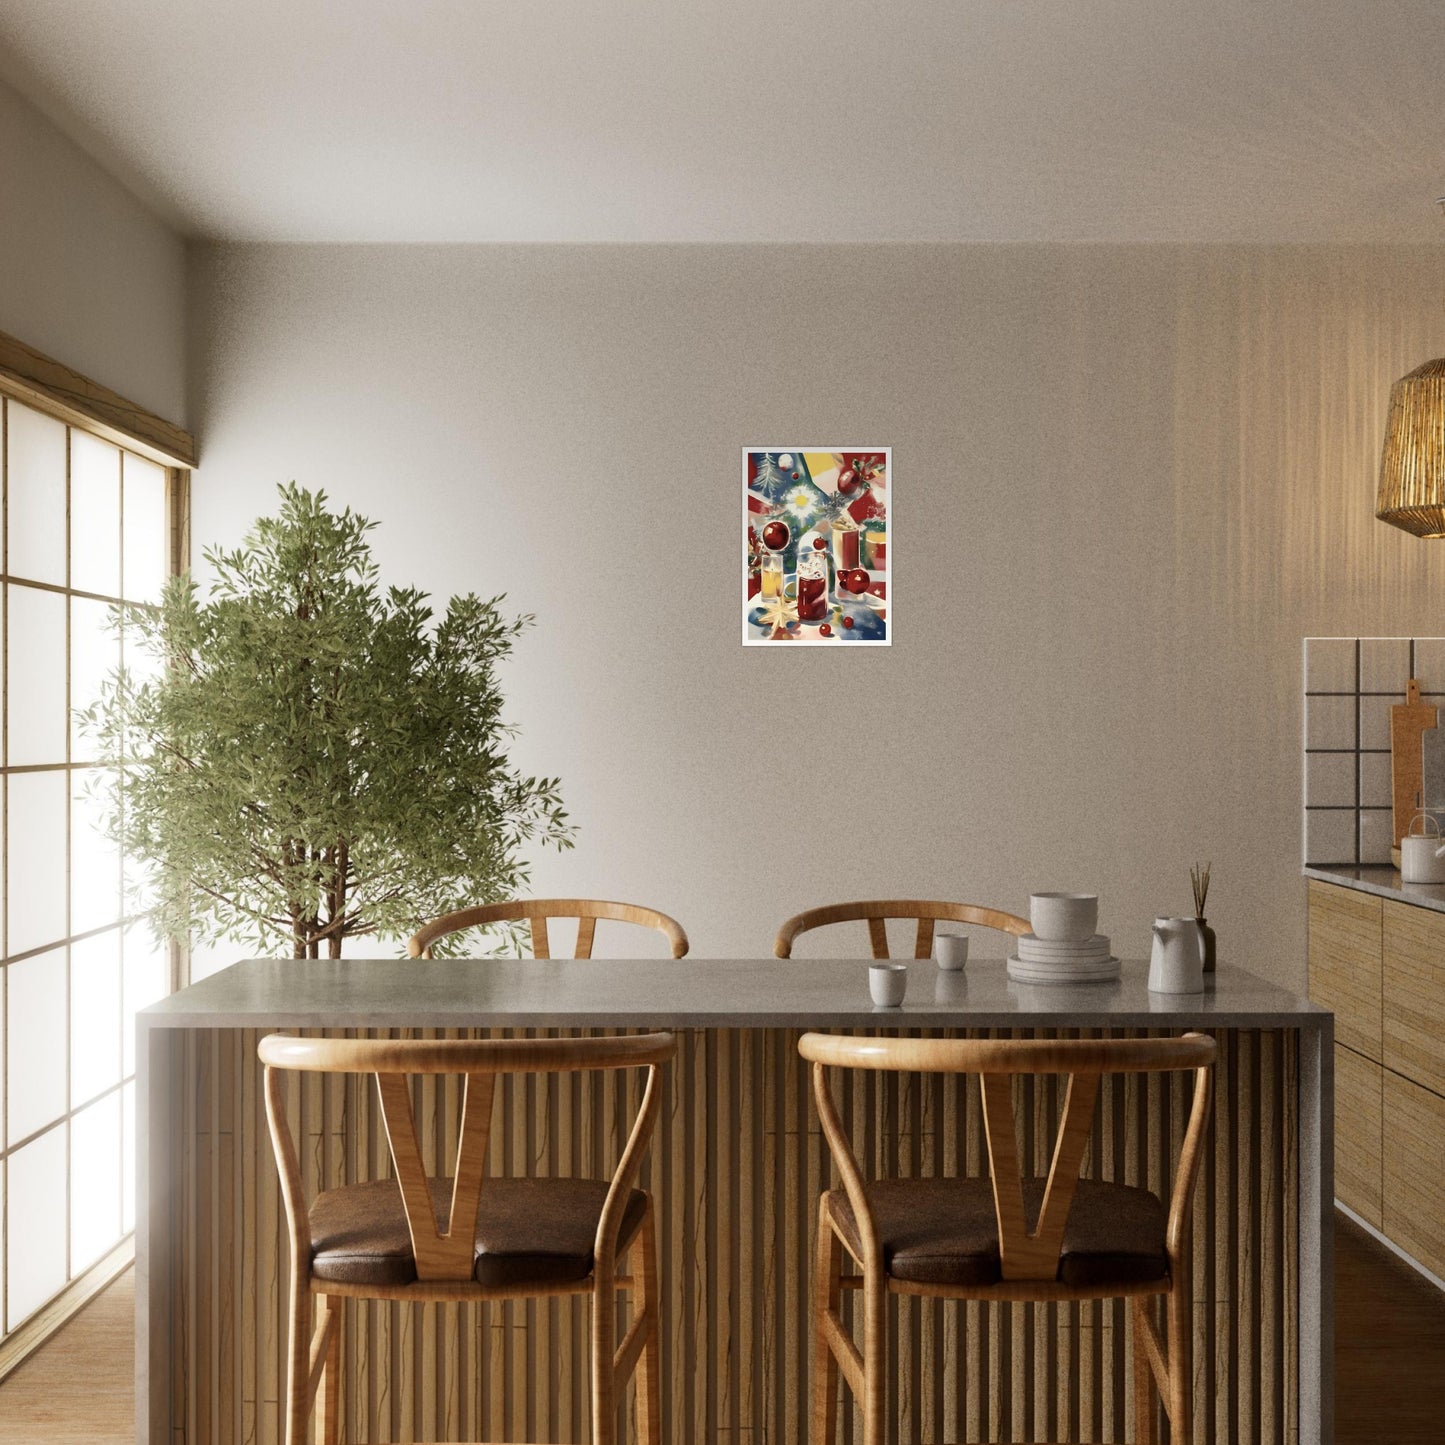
[[1199, 880]]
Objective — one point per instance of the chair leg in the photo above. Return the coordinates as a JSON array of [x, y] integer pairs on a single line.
[[1179, 1325], [827, 1296], [875, 1350], [1145, 1408], [329, 1421], [604, 1347], [298, 1361], [649, 1366]]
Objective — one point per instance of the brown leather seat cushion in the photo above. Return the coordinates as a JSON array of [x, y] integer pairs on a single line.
[[529, 1231], [944, 1231]]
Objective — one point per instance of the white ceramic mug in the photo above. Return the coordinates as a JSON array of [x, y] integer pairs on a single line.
[[950, 950], [1177, 963], [1062, 917], [888, 982]]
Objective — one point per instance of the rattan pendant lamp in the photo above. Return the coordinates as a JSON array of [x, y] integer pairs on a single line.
[[1412, 470]]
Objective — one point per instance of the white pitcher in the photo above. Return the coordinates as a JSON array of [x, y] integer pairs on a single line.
[[1177, 962]]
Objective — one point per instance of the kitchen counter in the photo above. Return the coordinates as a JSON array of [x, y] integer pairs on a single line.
[[1383, 881], [736, 1165], [695, 993]]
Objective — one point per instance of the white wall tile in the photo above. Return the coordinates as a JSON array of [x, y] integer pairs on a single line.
[[1384, 664], [1377, 834], [1330, 836], [1375, 720], [1430, 663], [1330, 780], [1375, 789], [1329, 722], [1330, 664]]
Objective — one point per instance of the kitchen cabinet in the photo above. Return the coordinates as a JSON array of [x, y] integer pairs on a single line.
[[1359, 1126], [1377, 959], [1414, 1186], [1345, 964], [1414, 994]]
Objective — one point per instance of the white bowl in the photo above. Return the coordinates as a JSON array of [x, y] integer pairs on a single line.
[[1058, 916]]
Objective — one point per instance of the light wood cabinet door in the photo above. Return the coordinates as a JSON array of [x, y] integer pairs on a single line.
[[1359, 1122], [1344, 950], [1414, 1194], [1414, 994]]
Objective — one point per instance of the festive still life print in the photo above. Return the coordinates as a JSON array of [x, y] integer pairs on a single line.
[[815, 568]]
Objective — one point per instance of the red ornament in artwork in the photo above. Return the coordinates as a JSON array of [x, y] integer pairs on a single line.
[[818, 544], [825, 631], [856, 580], [847, 622], [847, 479], [775, 536], [795, 476]]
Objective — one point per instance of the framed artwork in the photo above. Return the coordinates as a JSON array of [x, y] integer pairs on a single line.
[[816, 548]]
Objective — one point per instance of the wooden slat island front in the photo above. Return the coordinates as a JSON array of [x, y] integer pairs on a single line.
[[737, 1164]]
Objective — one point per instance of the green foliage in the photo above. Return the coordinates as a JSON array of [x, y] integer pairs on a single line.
[[314, 759]]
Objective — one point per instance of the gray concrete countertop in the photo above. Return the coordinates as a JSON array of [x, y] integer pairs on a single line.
[[697, 993], [1383, 881]]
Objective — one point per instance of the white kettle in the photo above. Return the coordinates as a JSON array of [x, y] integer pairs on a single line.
[[1422, 855], [1177, 962]]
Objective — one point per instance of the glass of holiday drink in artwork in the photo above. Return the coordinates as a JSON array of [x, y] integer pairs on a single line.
[[813, 587], [845, 545], [772, 576], [874, 549]]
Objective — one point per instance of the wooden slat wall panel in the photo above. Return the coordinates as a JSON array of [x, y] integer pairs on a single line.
[[737, 1164]]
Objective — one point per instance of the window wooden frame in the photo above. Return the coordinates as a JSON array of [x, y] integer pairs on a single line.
[[38, 381]]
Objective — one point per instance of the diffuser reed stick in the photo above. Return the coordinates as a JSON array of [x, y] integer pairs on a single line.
[[1199, 879]]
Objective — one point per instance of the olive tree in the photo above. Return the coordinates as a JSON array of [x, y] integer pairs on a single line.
[[305, 757]]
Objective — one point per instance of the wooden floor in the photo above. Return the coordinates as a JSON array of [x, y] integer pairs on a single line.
[[1389, 1361], [1389, 1346], [81, 1385]]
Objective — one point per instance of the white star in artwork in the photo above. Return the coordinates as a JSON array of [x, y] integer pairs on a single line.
[[778, 614]]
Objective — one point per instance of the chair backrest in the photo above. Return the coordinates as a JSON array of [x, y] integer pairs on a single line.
[[537, 911], [446, 1254], [1027, 1252], [877, 910]]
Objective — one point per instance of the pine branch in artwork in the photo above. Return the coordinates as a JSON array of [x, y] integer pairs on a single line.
[[769, 479]]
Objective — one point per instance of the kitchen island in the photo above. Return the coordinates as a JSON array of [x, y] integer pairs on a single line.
[[736, 1164]]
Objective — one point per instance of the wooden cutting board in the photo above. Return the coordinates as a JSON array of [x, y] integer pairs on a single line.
[[1409, 721]]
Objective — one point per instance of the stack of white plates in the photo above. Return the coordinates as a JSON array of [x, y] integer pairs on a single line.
[[1046, 960]]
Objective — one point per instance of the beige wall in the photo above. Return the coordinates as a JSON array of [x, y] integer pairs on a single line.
[[87, 274], [1128, 481]]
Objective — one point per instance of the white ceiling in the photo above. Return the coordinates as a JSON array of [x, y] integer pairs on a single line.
[[754, 120]]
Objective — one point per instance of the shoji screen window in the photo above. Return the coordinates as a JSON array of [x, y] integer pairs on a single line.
[[86, 523]]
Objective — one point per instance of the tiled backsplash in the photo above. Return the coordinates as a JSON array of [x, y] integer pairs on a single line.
[[1350, 685]]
